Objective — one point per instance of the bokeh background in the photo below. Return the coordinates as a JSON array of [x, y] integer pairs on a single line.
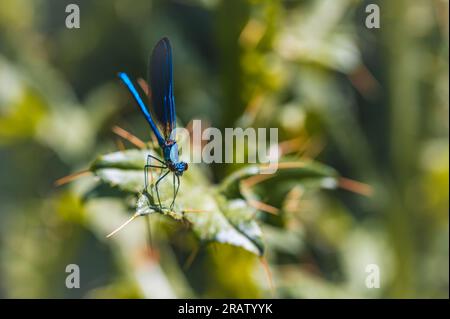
[[371, 103]]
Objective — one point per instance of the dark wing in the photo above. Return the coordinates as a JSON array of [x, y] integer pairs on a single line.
[[161, 83]]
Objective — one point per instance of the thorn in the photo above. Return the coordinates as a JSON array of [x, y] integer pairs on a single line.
[[71, 177], [190, 128], [283, 165], [263, 206], [364, 81], [355, 186], [252, 33], [120, 145], [292, 200], [122, 226], [145, 87], [190, 259], [193, 210], [253, 180], [311, 152], [289, 146], [253, 107], [268, 274], [128, 136]]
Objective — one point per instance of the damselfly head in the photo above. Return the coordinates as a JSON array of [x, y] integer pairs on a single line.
[[180, 167]]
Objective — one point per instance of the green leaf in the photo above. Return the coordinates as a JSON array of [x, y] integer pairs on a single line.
[[307, 173], [216, 213], [213, 218]]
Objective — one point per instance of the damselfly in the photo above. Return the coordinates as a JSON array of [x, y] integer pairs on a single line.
[[163, 102]]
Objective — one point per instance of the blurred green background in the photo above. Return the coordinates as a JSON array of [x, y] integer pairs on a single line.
[[371, 103]]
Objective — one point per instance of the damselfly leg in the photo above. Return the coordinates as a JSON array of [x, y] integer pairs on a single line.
[[176, 178], [149, 165], [156, 187], [175, 189]]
